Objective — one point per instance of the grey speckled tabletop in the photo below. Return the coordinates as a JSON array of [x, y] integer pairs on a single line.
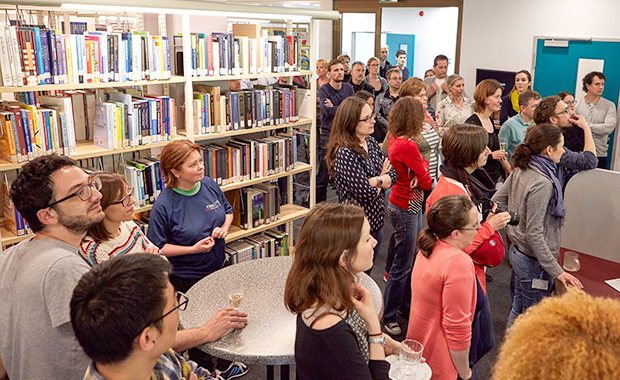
[[269, 337]]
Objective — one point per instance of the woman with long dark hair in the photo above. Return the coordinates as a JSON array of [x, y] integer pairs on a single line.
[[510, 102], [338, 331], [360, 169], [534, 192], [443, 286]]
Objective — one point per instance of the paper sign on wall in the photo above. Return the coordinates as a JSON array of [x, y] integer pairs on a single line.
[[586, 66]]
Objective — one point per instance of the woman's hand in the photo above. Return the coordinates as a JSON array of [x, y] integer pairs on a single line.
[[204, 245], [392, 347], [499, 155], [414, 182], [499, 220], [365, 306], [219, 232], [570, 280], [386, 166]]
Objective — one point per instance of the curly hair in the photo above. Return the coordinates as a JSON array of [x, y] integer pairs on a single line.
[[575, 336], [33, 189], [546, 109], [587, 80]]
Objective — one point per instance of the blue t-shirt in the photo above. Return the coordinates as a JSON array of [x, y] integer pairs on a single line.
[[184, 220]]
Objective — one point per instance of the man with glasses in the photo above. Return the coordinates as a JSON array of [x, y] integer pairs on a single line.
[[384, 103], [37, 276], [125, 314], [554, 111], [599, 113]]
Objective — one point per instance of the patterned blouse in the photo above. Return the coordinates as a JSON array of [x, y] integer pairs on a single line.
[[351, 174], [449, 114]]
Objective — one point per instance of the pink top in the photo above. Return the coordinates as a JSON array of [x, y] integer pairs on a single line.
[[443, 302]]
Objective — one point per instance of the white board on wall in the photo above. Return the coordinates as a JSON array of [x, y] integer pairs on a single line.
[[586, 66]]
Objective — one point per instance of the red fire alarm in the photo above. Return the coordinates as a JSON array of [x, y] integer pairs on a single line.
[[421, 13]]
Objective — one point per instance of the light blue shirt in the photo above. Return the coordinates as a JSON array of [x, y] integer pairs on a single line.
[[513, 130]]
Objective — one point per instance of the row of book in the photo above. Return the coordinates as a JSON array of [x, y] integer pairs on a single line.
[[247, 50], [14, 222], [270, 243], [243, 159], [35, 55], [218, 111], [255, 205], [145, 176]]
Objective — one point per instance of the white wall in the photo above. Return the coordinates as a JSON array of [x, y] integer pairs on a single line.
[[435, 33], [358, 22], [499, 34], [326, 34]]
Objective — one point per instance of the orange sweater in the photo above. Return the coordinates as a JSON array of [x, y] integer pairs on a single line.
[[444, 188], [443, 302]]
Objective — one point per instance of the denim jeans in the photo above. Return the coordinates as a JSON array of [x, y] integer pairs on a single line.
[[378, 235], [525, 270], [397, 294]]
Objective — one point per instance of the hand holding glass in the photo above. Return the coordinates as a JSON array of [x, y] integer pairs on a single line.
[[410, 356], [502, 143], [571, 261]]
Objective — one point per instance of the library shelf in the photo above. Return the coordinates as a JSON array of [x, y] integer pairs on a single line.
[[82, 86], [300, 168], [303, 122], [214, 78], [9, 238], [288, 213], [86, 149]]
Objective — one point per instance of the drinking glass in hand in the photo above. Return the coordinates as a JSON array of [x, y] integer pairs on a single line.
[[410, 356], [502, 143]]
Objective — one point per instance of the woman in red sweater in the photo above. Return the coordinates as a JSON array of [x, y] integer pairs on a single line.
[[444, 288], [405, 203]]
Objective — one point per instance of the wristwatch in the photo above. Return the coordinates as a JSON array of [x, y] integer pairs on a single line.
[[379, 181], [380, 341]]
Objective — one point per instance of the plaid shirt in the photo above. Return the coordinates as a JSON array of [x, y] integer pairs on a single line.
[[170, 366]]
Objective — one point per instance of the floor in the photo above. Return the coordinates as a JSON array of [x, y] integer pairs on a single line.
[[499, 297]]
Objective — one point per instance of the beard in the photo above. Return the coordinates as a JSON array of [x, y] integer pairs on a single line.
[[78, 224]]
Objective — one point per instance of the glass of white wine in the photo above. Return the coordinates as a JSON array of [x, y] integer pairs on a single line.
[[502, 143], [235, 296]]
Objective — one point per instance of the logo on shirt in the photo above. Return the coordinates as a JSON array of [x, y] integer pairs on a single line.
[[213, 206]]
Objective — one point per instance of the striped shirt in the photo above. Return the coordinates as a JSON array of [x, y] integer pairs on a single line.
[[130, 240], [432, 137], [169, 366]]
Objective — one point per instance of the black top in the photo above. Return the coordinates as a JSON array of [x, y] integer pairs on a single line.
[[363, 86], [574, 138], [333, 353], [493, 166]]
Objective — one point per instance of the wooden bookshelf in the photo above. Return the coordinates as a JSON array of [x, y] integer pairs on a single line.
[[303, 122], [214, 78], [300, 168], [288, 213], [83, 86]]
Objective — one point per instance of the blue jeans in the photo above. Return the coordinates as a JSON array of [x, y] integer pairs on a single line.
[[397, 294], [378, 235], [525, 270]]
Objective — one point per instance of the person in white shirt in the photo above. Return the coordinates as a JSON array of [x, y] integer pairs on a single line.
[[436, 86], [600, 114]]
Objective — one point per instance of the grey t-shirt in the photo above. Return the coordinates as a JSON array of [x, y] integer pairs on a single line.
[[36, 284]]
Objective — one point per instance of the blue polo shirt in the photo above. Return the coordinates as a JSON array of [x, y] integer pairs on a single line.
[[185, 217], [513, 130]]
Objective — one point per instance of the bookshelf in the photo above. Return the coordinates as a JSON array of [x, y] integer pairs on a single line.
[[56, 11]]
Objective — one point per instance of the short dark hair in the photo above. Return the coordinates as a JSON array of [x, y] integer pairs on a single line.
[[564, 94], [342, 57], [440, 57], [546, 109], [449, 213], [590, 77], [115, 301], [364, 95], [388, 74], [462, 144], [33, 189], [400, 52], [357, 63], [537, 138], [527, 96], [333, 62]]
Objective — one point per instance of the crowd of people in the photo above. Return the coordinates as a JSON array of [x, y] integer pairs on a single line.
[[91, 296]]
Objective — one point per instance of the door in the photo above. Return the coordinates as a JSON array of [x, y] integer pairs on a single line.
[[405, 42]]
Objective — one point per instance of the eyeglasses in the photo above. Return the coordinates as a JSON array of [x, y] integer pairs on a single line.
[[181, 301], [569, 102], [367, 118], [566, 110], [84, 192], [126, 199], [396, 78], [476, 227], [373, 65]]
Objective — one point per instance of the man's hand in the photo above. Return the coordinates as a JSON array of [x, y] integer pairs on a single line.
[[219, 233], [222, 321], [444, 87], [328, 103], [204, 245], [579, 121], [432, 90]]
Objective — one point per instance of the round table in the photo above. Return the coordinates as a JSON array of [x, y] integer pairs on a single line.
[[269, 337]]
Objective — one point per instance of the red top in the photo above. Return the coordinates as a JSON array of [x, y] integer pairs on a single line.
[[404, 155], [443, 188], [443, 302]]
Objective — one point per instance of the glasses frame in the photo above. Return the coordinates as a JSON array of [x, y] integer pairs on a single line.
[[475, 228], [126, 199], [367, 118], [566, 111], [94, 183], [181, 299]]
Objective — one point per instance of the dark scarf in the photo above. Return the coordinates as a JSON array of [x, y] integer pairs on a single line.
[[548, 168], [478, 183]]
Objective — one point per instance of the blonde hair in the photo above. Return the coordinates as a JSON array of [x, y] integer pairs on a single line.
[[575, 336]]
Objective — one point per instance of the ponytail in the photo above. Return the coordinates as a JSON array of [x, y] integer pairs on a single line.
[[449, 213], [537, 138], [426, 242]]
